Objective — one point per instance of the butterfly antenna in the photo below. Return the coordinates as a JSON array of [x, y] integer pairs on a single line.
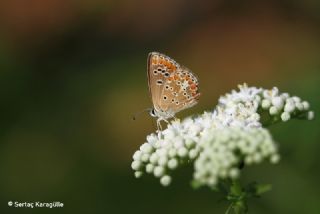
[[135, 116]]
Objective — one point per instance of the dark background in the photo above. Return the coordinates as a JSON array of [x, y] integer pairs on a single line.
[[72, 73]]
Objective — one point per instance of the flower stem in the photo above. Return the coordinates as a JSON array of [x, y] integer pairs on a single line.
[[237, 197]]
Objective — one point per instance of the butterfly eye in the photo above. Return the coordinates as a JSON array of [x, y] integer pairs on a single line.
[[153, 113]]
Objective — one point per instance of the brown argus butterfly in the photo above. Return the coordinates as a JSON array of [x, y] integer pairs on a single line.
[[172, 87]]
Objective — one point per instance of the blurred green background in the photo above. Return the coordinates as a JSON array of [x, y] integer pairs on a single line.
[[72, 74]]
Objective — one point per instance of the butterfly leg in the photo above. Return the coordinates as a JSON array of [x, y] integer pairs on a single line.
[[159, 124]]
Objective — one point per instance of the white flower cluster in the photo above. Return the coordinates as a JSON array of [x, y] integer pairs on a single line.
[[285, 106], [244, 108], [224, 150], [217, 141], [164, 152]]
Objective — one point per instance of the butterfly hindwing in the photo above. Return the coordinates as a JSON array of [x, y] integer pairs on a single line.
[[181, 91]]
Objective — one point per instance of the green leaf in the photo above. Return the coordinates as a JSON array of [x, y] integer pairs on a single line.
[[262, 188], [255, 190], [235, 188]]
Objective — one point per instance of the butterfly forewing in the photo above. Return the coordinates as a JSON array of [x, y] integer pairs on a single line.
[[160, 68], [172, 87]]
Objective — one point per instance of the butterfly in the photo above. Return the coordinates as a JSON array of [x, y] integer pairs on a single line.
[[172, 87]]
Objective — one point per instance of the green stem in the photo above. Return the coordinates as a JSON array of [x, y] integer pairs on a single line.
[[240, 207], [229, 209], [237, 197]]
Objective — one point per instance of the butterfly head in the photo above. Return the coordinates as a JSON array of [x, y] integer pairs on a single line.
[[161, 113], [152, 112]]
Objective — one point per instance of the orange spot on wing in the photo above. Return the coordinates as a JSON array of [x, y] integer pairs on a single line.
[[154, 61], [193, 86], [176, 77], [172, 68]]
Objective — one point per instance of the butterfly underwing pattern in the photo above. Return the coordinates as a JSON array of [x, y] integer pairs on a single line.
[[172, 87]]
